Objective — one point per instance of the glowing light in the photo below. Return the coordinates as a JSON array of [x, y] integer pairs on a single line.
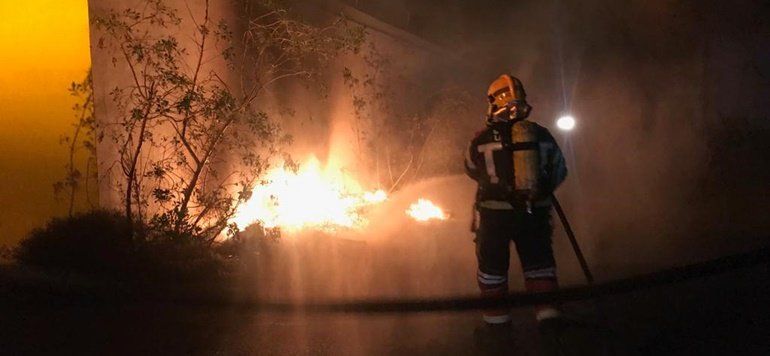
[[424, 210], [314, 197], [566, 122], [317, 197], [377, 196]]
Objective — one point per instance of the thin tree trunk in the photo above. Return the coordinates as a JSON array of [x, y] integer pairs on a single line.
[[131, 176], [190, 189]]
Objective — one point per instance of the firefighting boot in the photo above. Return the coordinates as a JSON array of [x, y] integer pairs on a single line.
[[543, 311], [494, 287]]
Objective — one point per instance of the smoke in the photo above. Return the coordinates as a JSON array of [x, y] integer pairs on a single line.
[[657, 174], [645, 188], [663, 170]]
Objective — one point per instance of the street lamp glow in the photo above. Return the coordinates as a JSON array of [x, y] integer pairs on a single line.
[[566, 122]]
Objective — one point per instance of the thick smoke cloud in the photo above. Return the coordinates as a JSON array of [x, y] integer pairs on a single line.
[[668, 162], [664, 167]]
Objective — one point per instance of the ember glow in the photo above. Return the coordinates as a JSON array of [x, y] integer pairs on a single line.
[[314, 197], [424, 210]]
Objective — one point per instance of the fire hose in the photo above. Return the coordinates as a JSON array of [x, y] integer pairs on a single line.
[[665, 277], [567, 228], [520, 299], [517, 299], [572, 240]]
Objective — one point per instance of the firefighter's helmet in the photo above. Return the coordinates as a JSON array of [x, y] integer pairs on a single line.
[[507, 99]]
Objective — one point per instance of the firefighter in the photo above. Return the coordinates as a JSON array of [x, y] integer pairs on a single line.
[[517, 165]]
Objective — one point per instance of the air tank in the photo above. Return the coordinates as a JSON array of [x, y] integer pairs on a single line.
[[526, 158]]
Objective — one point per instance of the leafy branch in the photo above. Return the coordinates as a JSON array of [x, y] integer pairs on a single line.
[[193, 139]]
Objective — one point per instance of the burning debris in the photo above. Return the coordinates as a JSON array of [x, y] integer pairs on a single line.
[[317, 197], [425, 210]]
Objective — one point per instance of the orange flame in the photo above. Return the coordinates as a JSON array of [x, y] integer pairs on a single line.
[[424, 210], [318, 198], [314, 197]]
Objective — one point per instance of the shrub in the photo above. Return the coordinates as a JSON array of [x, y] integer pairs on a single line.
[[99, 244], [96, 242]]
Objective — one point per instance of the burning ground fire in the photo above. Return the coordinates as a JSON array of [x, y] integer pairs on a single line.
[[318, 198], [424, 210]]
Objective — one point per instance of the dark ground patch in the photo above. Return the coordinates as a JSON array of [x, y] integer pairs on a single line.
[[722, 314]]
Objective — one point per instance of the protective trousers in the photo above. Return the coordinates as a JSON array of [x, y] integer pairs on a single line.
[[531, 233]]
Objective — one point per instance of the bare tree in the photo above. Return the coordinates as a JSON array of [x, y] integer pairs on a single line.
[[192, 138]]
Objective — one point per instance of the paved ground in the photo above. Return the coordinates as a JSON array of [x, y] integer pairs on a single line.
[[148, 330], [725, 314]]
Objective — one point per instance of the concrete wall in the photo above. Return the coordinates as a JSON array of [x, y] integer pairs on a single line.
[[110, 72], [322, 121]]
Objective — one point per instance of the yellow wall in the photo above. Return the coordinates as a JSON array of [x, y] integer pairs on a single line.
[[44, 46]]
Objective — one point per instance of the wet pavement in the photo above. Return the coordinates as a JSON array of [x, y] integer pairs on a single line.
[[725, 314], [181, 330]]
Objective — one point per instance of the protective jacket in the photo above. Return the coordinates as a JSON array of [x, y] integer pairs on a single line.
[[490, 160]]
